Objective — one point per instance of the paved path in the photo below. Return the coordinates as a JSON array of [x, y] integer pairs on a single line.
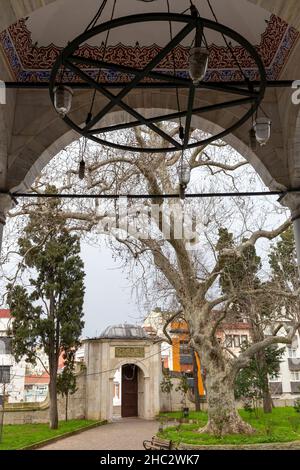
[[125, 434]]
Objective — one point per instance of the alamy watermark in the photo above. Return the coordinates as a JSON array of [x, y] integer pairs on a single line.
[[145, 221], [296, 93]]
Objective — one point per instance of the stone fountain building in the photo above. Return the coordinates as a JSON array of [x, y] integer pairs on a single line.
[[130, 349]]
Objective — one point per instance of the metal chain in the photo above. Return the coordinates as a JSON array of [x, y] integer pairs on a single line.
[[228, 44], [89, 116], [97, 16], [174, 65]]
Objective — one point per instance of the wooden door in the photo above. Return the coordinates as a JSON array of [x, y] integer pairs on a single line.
[[129, 405]]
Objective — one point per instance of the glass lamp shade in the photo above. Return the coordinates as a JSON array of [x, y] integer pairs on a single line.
[[198, 63], [184, 174], [262, 127], [63, 99]]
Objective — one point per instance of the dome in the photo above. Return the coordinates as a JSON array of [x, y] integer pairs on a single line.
[[125, 330]]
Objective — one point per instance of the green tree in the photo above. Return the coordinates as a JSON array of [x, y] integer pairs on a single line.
[[183, 388], [250, 381], [284, 269], [48, 313], [66, 384], [241, 275], [166, 386]]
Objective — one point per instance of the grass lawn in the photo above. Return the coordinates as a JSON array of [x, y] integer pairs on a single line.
[[16, 436], [282, 425]]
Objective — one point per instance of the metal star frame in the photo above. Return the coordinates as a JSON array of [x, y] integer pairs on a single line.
[[70, 60]]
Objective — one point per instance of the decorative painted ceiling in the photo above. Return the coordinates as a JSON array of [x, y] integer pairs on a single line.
[[28, 61]]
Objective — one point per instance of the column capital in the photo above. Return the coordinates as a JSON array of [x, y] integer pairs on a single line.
[[6, 204], [292, 201]]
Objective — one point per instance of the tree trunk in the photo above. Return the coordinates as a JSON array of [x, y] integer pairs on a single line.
[[53, 364], [258, 335], [67, 402], [267, 399], [267, 402], [223, 417], [53, 413], [170, 400]]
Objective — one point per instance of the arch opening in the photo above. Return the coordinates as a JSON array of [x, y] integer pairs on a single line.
[[130, 390]]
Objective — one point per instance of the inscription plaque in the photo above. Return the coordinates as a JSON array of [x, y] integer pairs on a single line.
[[127, 351]]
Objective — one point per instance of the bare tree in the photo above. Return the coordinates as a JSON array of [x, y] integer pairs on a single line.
[[172, 243]]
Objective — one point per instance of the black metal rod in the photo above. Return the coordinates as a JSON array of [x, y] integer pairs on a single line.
[[188, 118], [86, 86], [121, 104], [142, 120], [152, 196], [129, 70], [226, 88], [246, 90], [143, 73], [167, 117]]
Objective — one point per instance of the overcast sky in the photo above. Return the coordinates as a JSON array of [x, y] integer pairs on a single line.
[[108, 297]]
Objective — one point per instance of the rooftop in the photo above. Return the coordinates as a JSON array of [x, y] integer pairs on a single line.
[[37, 379], [124, 331], [5, 313]]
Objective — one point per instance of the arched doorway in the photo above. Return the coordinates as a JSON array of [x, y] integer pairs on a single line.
[[114, 353], [129, 396], [132, 391]]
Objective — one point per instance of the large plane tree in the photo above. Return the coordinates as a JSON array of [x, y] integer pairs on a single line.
[[173, 244]]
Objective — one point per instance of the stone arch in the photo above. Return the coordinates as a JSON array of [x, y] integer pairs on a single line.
[[45, 134], [36, 141], [135, 361], [143, 388]]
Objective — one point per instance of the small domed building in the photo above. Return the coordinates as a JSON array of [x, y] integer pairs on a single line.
[[136, 355]]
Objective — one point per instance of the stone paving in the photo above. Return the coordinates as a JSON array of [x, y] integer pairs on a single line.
[[129, 434], [124, 434]]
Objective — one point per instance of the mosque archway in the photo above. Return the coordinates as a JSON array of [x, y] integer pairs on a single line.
[[33, 33]]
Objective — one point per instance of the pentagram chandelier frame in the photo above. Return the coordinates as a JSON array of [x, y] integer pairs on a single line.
[[69, 60]]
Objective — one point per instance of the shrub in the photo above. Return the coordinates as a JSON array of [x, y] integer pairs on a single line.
[[248, 406], [269, 428], [297, 405], [294, 423]]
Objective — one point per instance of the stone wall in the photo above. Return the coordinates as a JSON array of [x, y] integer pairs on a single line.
[[24, 413], [176, 401]]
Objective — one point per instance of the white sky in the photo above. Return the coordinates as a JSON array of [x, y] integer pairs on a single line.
[[108, 298]]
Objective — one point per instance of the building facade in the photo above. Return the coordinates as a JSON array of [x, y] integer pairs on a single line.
[[20, 381], [12, 373], [287, 382], [180, 358], [123, 374]]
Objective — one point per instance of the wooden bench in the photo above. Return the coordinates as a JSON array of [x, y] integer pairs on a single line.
[[158, 444]]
